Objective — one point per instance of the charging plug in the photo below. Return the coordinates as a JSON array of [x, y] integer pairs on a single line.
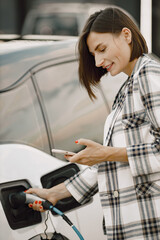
[[20, 198]]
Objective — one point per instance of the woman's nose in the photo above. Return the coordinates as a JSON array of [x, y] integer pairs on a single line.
[[99, 61]]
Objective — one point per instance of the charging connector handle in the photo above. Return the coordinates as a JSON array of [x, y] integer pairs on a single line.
[[19, 198]]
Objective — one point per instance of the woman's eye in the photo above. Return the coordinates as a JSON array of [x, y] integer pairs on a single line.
[[102, 50]]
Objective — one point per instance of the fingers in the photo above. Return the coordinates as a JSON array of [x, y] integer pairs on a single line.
[[30, 191], [37, 206], [87, 155], [85, 142], [40, 192]]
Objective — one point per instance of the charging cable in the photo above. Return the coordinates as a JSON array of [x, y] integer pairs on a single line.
[[47, 205], [17, 199]]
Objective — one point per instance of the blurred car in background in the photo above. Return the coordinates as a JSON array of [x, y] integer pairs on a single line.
[[42, 107], [58, 18]]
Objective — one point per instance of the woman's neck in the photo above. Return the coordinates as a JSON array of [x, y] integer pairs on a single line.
[[130, 67]]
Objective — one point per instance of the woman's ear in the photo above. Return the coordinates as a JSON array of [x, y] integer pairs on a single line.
[[127, 34]]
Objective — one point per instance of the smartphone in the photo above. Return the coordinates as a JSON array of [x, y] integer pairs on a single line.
[[64, 152]]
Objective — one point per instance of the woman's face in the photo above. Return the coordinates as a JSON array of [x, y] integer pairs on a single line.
[[112, 51]]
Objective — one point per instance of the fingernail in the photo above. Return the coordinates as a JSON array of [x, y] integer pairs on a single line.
[[40, 207], [25, 191], [30, 205], [40, 202], [76, 141], [36, 202]]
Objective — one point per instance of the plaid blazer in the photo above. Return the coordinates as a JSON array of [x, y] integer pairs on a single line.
[[129, 192]]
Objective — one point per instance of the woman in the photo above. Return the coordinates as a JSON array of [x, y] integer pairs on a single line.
[[126, 169]]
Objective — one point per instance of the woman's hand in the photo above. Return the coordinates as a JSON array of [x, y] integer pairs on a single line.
[[95, 153], [42, 193], [52, 195]]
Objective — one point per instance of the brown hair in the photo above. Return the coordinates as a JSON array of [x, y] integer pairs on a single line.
[[109, 20]]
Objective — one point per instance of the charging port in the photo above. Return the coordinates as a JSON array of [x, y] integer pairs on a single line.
[[17, 216]]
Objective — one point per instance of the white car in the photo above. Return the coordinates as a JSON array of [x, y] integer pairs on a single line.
[[43, 107]]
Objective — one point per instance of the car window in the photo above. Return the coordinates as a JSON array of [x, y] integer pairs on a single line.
[[56, 24], [72, 115], [21, 119]]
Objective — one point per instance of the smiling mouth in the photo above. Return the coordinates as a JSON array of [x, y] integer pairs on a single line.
[[108, 67]]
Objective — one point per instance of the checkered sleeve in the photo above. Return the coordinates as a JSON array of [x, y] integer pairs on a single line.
[[83, 185], [145, 158]]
